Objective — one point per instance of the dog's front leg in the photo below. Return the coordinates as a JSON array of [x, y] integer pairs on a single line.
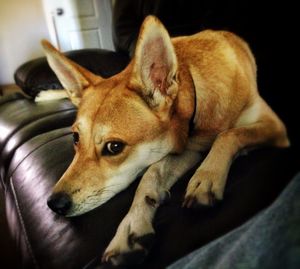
[[135, 233], [208, 182]]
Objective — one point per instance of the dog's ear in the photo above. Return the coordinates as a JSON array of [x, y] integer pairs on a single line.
[[72, 76], [155, 64]]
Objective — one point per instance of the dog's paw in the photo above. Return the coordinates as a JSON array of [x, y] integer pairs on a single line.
[[138, 248], [204, 189], [131, 243]]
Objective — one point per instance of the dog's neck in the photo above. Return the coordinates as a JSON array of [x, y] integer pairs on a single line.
[[192, 119], [184, 114]]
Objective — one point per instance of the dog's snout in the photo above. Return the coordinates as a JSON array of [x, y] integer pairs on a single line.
[[60, 203]]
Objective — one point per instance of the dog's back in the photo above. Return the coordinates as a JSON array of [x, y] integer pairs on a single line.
[[223, 72]]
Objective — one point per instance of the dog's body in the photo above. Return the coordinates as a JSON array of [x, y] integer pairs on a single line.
[[175, 99]]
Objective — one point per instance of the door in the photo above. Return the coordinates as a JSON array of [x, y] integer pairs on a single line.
[[77, 24]]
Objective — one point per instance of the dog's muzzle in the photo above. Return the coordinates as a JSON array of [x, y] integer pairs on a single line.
[[60, 203]]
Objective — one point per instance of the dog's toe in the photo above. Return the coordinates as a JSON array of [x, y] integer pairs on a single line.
[[108, 256], [135, 253], [207, 199], [205, 189], [124, 259], [189, 201], [203, 200]]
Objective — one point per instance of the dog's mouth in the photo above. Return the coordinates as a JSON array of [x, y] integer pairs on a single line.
[[80, 200], [65, 205]]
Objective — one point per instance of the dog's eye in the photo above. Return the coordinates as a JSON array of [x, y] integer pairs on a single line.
[[75, 138], [113, 148]]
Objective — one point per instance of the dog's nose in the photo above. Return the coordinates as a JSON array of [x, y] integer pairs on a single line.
[[60, 203]]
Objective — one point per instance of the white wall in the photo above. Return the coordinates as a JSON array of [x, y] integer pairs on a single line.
[[22, 26]]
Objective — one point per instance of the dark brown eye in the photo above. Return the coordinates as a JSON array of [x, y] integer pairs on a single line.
[[75, 138], [113, 148]]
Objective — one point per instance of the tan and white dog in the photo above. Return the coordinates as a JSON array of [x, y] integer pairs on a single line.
[[176, 98]]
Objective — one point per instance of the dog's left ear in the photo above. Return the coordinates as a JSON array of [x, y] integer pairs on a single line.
[[74, 78], [155, 64]]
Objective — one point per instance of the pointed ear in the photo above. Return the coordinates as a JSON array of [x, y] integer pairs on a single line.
[[72, 76], [155, 64]]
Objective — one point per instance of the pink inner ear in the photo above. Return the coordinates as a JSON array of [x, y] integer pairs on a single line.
[[155, 64], [158, 76]]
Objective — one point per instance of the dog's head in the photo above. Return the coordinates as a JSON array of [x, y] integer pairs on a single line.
[[124, 123]]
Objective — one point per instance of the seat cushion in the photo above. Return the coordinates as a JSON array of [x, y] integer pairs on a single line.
[[47, 240]]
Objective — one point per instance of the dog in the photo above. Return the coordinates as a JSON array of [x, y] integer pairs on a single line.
[[177, 98]]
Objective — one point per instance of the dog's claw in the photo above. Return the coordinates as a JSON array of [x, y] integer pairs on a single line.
[[189, 201], [107, 256], [127, 258], [192, 202], [211, 199]]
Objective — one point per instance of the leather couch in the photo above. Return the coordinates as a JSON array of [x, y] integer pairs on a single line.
[[36, 144]]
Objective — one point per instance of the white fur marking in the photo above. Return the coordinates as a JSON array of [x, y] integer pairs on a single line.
[[50, 95], [250, 115], [101, 132], [144, 155]]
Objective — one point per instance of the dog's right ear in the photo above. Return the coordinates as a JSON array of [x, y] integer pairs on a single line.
[[74, 78], [155, 66]]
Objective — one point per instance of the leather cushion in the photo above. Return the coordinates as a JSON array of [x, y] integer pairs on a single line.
[[22, 119], [47, 240], [36, 75], [10, 98]]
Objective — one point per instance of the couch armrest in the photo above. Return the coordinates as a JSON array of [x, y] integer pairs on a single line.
[[36, 75]]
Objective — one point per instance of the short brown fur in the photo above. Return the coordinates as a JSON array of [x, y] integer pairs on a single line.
[[208, 78]]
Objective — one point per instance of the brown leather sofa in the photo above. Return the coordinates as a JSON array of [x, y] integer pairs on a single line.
[[36, 144]]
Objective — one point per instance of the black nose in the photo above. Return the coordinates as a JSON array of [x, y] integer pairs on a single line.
[[60, 203]]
